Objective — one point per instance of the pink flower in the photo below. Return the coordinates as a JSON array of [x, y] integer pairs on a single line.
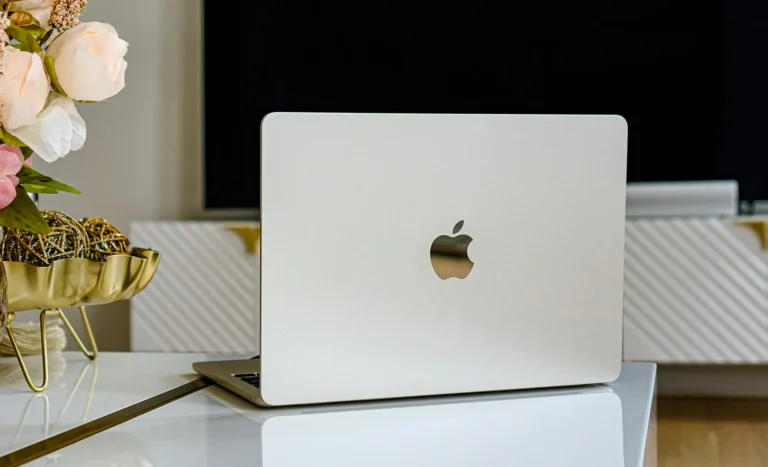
[[11, 160]]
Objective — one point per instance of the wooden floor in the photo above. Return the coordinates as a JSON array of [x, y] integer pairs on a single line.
[[712, 433]]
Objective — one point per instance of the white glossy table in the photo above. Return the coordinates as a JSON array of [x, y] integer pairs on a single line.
[[599, 426], [80, 390]]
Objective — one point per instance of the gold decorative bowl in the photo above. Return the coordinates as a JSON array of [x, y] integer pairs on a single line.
[[74, 282], [79, 282]]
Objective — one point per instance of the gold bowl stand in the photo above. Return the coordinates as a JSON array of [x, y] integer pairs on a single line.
[[74, 282]]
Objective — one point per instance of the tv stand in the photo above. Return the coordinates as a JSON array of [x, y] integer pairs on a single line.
[[696, 291]]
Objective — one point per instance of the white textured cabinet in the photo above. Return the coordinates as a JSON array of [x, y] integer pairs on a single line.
[[696, 291], [205, 295]]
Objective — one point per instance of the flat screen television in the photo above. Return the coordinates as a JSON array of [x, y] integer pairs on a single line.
[[690, 77]]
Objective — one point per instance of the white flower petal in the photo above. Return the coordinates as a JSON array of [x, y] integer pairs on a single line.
[[58, 130], [78, 124]]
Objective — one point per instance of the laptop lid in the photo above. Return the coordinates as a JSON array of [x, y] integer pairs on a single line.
[[408, 255]]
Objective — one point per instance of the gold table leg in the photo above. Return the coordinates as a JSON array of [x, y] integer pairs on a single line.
[[44, 343]]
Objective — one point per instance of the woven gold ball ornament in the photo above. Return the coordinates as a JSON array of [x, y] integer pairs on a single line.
[[104, 239], [67, 239]]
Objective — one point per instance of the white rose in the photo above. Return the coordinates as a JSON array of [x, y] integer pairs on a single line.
[[23, 88], [58, 130], [40, 9], [89, 63]]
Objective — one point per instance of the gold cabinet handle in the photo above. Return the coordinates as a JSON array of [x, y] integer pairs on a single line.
[[760, 226], [250, 233]]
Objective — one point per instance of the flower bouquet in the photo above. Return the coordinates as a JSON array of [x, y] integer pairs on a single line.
[[49, 60]]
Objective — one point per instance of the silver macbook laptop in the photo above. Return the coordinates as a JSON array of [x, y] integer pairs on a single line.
[[412, 255]]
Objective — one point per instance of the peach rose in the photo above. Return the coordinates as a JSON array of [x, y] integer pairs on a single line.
[[89, 61], [40, 9], [23, 88]]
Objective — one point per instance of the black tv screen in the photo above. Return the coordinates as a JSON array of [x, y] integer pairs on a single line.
[[690, 77]]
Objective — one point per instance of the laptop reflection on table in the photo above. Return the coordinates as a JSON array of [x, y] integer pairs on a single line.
[[572, 427]]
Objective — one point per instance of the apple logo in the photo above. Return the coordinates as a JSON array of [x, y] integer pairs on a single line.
[[449, 255]]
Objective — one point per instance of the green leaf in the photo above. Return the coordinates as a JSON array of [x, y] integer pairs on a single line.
[[29, 176], [27, 152], [35, 31], [51, 69], [25, 38], [11, 140], [22, 214], [31, 188]]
